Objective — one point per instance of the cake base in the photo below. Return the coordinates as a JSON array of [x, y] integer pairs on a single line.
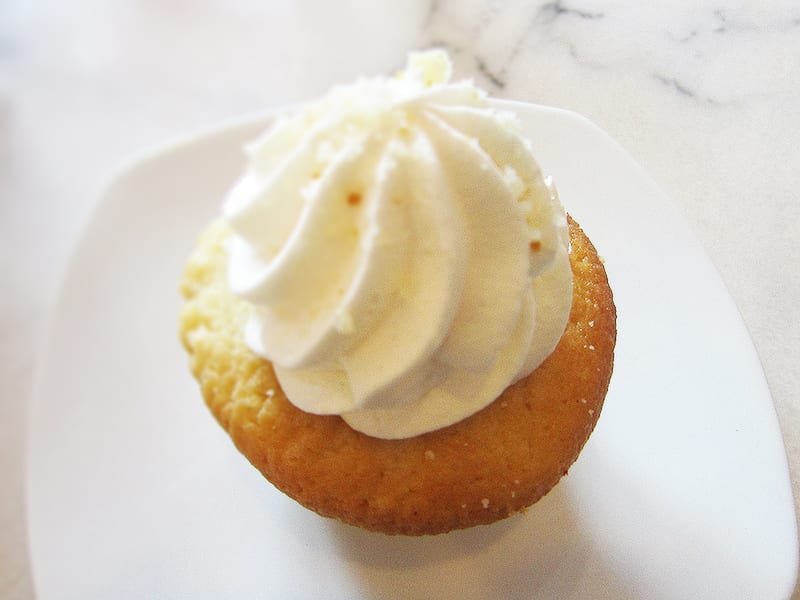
[[485, 468]]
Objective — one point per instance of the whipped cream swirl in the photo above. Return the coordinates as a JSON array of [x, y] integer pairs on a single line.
[[405, 259]]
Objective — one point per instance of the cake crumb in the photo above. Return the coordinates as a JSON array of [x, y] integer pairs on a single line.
[[270, 394], [591, 411], [513, 494], [583, 400], [591, 347], [516, 482], [485, 503], [430, 455], [344, 323], [591, 323], [503, 404], [463, 506]]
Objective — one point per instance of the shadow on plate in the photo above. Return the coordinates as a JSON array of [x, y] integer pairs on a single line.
[[543, 553]]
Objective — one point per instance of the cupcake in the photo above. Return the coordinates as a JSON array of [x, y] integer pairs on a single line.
[[394, 319]]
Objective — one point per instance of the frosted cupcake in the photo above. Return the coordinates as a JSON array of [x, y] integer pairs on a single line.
[[394, 319]]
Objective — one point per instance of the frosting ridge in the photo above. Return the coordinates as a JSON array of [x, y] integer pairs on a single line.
[[404, 257]]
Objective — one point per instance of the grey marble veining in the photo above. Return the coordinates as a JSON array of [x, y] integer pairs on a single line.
[[687, 49]]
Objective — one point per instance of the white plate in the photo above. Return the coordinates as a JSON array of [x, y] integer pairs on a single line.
[[134, 492]]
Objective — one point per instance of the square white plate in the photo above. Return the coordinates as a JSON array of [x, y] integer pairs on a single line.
[[134, 492]]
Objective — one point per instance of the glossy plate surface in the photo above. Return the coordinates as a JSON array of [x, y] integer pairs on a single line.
[[135, 492]]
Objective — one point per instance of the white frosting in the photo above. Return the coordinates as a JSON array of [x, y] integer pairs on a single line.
[[404, 257]]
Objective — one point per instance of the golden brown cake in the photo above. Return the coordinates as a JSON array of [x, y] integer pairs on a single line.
[[484, 468]]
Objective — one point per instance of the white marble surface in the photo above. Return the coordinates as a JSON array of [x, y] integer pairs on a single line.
[[705, 95]]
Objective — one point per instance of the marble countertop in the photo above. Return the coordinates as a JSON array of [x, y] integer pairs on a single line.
[[704, 95]]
